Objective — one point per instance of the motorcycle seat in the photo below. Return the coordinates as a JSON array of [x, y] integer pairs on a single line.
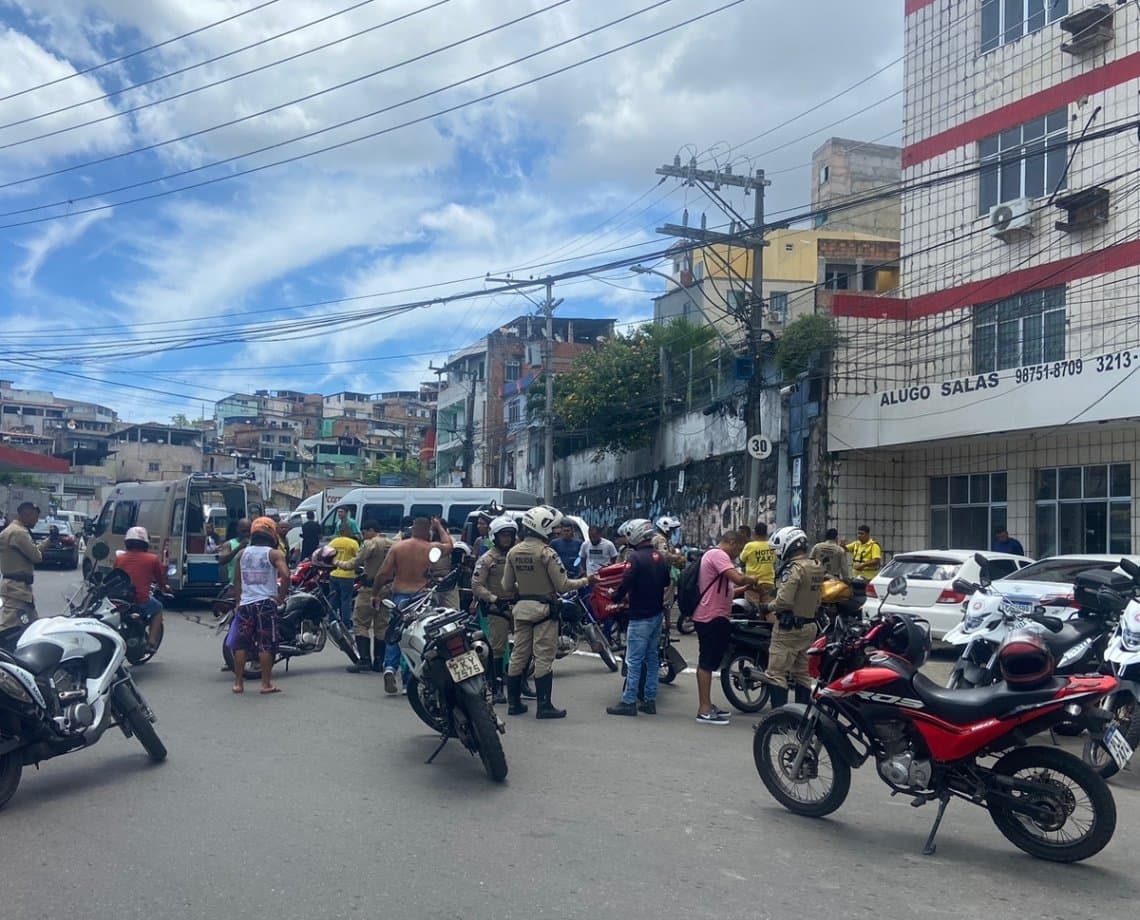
[[969, 705], [1074, 631]]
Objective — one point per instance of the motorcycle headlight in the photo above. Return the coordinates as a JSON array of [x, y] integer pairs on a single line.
[[972, 621], [1129, 639], [13, 688]]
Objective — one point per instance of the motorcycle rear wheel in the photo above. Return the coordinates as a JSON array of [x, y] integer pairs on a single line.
[[1077, 785], [252, 669], [738, 689], [1096, 755], [11, 768], [436, 723], [774, 749], [486, 735], [143, 654]]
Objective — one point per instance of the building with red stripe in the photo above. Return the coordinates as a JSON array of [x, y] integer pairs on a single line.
[[999, 386]]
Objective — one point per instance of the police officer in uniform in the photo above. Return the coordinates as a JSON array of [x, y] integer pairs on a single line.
[[832, 556], [18, 559], [534, 573], [494, 605], [665, 526], [799, 582], [367, 614]]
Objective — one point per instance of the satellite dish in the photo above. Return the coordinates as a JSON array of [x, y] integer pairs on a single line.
[[1001, 217]]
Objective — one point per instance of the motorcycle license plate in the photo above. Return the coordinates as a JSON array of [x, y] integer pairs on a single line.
[[1119, 748], [465, 666]]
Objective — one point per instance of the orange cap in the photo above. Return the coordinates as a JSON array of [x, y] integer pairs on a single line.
[[265, 525]]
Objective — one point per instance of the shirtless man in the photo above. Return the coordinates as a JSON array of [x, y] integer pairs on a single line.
[[405, 569]]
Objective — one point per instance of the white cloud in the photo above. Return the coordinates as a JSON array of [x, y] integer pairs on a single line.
[[56, 236]]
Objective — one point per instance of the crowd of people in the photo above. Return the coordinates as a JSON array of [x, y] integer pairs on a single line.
[[519, 566]]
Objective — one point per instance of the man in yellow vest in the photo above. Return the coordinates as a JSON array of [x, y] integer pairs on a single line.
[[866, 556]]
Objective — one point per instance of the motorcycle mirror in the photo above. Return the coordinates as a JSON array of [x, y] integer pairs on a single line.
[[963, 586], [983, 570], [435, 554], [1131, 569], [897, 585], [100, 551]]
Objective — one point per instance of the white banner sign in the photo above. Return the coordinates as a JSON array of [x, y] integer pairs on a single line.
[[1096, 389]]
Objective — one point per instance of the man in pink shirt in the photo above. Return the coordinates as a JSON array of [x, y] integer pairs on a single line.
[[717, 581]]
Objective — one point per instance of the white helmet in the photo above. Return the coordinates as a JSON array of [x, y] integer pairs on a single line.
[[461, 547], [667, 524], [541, 520], [499, 524], [640, 531], [786, 540], [136, 533]]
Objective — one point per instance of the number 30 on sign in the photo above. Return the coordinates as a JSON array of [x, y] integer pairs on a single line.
[[759, 447]]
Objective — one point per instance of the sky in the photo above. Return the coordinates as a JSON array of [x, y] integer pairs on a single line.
[[204, 198]]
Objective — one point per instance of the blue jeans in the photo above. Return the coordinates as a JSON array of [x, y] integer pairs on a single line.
[[392, 656], [150, 607], [641, 638], [340, 596]]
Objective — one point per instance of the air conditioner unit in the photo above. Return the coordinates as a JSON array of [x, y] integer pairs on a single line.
[[1012, 219]]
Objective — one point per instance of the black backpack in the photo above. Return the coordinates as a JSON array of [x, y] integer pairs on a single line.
[[688, 589]]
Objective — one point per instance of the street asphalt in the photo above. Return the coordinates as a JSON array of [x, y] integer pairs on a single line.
[[316, 803]]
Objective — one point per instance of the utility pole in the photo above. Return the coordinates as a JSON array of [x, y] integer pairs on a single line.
[[548, 434], [756, 182], [469, 433]]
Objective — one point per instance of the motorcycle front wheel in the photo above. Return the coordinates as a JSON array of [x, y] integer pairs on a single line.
[[424, 708], [748, 694], [1082, 811], [601, 645], [823, 780], [1124, 707], [143, 729], [343, 640], [11, 768]]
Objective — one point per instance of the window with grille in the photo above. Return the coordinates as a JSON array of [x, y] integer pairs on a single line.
[[1019, 331], [1025, 161], [966, 510], [1084, 509]]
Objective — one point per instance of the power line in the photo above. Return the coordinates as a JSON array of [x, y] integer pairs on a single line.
[[137, 52], [373, 134]]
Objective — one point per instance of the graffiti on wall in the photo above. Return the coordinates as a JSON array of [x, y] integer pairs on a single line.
[[707, 496]]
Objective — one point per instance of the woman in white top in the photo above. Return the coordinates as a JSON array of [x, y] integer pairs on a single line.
[[261, 582]]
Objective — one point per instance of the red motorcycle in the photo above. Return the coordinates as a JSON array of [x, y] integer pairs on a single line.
[[871, 701]]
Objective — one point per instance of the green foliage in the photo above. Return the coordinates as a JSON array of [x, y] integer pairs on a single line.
[[21, 480], [611, 398], [804, 342], [407, 468]]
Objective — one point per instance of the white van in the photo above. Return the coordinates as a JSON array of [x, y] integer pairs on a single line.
[[174, 513], [389, 507]]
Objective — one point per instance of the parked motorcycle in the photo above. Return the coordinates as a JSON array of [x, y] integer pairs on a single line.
[[61, 689], [112, 588], [1105, 753], [307, 622], [871, 701], [447, 655], [670, 662], [1077, 644], [577, 626]]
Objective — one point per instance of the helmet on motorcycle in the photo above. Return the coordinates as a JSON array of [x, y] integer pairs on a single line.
[[264, 525], [136, 535], [640, 531], [667, 524], [504, 524], [787, 540], [541, 521], [906, 636], [1025, 660], [325, 556]]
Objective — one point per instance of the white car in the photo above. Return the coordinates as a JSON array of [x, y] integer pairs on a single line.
[[930, 578], [1049, 582]]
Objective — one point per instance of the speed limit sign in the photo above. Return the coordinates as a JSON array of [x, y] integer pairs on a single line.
[[759, 447]]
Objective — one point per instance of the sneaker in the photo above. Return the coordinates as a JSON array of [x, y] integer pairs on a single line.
[[712, 717], [389, 681], [722, 712], [649, 707], [623, 709]]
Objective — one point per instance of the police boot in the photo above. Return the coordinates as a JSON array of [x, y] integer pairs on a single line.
[[546, 709], [378, 647], [778, 696], [363, 647], [803, 694], [497, 695], [528, 692], [515, 705]]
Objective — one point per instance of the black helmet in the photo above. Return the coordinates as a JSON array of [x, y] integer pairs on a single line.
[[906, 636], [1025, 659]]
